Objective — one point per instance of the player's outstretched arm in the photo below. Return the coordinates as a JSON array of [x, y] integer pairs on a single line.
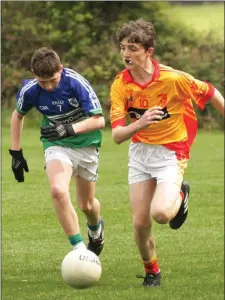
[[19, 164], [218, 101], [91, 124]]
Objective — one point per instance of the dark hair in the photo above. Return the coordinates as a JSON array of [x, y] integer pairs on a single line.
[[45, 62], [140, 31]]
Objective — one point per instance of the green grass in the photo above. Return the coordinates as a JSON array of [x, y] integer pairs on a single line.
[[203, 17], [33, 244]]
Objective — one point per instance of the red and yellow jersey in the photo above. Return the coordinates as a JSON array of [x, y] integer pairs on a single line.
[[168, 88]]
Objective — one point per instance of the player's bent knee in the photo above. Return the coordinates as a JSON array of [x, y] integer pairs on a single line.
[[58, 192], [161, 216]]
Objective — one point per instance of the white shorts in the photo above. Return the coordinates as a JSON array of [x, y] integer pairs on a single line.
[[84, 161], [154, 161]]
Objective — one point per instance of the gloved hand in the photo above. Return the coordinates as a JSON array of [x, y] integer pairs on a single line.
[[19, 164], [57, 132]]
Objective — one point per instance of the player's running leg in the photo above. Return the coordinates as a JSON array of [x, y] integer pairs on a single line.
[[59, 174], [140, 197], [170, 201], [169, 204], [91, 208]]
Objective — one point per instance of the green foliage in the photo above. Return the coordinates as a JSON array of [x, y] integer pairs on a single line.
[[83, 33]]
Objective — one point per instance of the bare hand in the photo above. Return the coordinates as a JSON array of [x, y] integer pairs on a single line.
[[151, 116]]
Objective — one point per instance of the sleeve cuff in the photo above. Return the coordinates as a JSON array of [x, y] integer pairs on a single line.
[[205, 99], [21, 111], [120, 122]]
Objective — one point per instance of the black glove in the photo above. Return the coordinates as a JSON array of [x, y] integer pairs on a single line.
[[19, 164], [57, 132]]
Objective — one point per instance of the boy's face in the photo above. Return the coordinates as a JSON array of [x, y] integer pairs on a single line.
[[51, 83], [134, 55]]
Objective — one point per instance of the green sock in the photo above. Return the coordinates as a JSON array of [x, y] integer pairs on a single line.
[[94, 227], [95, 231], [75, 239]]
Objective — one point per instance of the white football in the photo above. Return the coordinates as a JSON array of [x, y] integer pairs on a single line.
[[81, 268]]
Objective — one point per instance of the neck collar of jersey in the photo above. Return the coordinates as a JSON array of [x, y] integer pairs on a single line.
[[129, 79]]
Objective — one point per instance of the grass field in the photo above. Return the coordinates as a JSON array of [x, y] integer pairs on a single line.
[[33, 244], [202, 17]]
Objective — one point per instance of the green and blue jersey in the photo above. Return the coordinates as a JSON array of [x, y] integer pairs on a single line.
[[72, 101]]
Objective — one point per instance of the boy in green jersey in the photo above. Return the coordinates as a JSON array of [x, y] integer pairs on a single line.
[[71, 136]]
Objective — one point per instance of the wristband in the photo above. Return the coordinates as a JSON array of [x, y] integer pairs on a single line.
[[70, 130], [16, 153]]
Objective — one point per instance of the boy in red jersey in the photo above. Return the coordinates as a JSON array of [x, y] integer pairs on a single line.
[[163, 125]]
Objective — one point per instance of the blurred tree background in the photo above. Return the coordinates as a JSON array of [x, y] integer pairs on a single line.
[[83, 33]]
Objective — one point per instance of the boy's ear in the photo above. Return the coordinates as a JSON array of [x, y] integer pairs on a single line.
[[150, 51]]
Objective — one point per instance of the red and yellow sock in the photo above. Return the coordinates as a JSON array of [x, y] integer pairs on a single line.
[[151, 266]]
